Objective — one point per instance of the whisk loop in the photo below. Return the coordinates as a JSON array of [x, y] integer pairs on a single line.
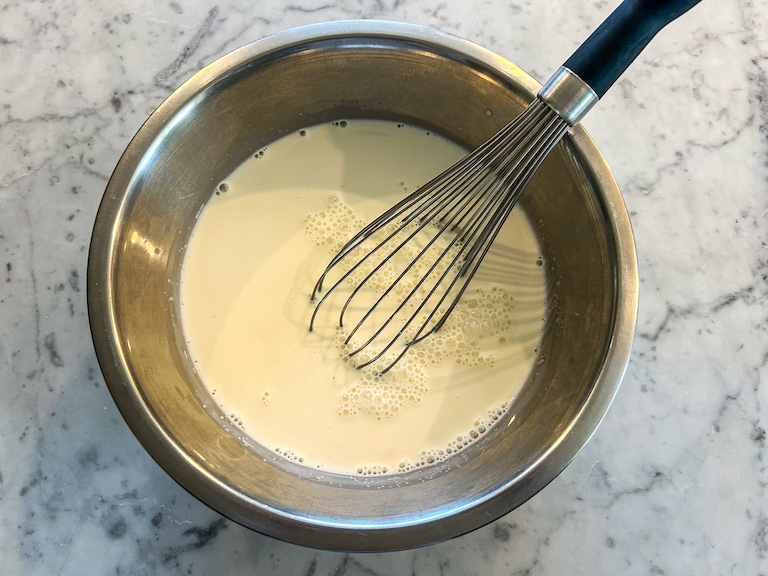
[[448, 225]]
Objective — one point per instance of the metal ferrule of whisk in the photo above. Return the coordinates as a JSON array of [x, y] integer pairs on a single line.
[[568, 95]]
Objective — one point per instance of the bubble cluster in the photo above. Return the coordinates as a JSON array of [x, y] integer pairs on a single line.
[[480, 427], [384, 395], [371, 470], [333, 226], [484, 316], [290, 455]]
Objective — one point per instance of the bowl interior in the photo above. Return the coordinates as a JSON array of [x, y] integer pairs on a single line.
[[209, 127]]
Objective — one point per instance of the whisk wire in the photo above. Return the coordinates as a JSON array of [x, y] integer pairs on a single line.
[[378, 224], [421, 194], [456, 239], [404, 243], [464, 209], [491, 230], [471, 200], [448, 226]]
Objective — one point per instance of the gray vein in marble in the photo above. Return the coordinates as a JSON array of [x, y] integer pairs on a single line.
[[162, 77]]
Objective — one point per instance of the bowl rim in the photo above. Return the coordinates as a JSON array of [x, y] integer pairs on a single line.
[[209, 490]]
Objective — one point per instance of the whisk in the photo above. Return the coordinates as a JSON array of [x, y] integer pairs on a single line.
[[454, 218]]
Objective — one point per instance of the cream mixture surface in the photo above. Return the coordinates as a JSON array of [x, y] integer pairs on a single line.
[[255, 253]]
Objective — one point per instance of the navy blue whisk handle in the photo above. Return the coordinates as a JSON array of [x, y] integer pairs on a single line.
[[604, 56]]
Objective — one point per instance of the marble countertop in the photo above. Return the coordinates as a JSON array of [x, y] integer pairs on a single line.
[[673, 482]]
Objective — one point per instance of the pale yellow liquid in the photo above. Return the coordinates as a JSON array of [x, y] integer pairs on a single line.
[[253, 258]]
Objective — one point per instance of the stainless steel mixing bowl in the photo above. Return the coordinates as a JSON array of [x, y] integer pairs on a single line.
[[280, 84]]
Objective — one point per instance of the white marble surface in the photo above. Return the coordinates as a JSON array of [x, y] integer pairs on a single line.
[[673, 482]]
